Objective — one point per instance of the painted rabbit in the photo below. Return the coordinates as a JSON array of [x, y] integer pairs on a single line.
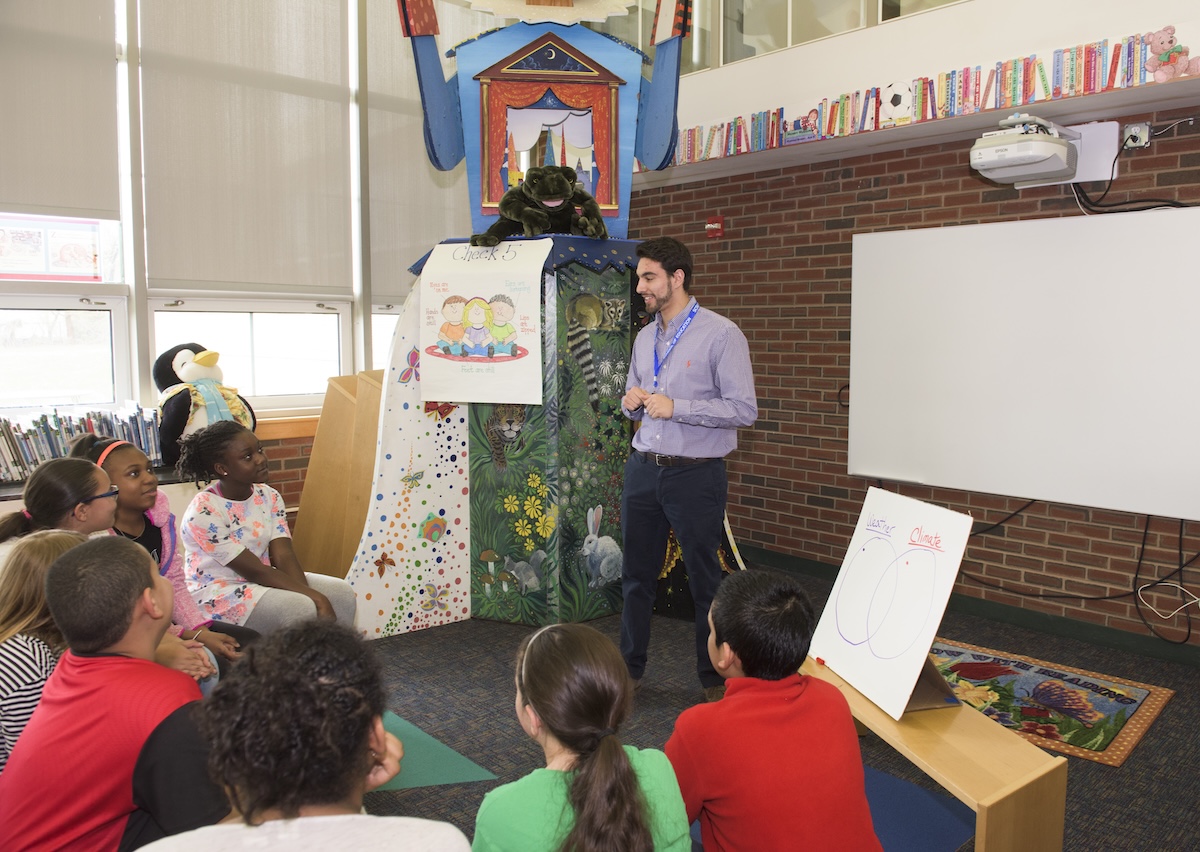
[[602, 553]]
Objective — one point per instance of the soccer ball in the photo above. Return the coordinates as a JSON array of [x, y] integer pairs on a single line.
[[895, 104]]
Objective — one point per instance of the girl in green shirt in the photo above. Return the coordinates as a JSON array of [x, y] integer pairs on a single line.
[[595, 794]]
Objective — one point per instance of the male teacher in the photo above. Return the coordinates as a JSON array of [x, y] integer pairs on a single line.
[[691, 386]]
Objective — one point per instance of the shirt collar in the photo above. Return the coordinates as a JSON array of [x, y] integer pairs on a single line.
[[679, 317]]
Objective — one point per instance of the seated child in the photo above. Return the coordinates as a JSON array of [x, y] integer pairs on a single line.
[[112, 757], [316, 743], [30, 641], [503, 332], [238, 554], [775, 764], [63, 494], [144, 515], [76, 494], [477, 334], [573, 693]]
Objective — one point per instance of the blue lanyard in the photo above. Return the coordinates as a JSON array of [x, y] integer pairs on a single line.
[[658, 362]]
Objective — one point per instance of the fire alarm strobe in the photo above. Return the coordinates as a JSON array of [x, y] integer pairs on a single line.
[[714, 227]]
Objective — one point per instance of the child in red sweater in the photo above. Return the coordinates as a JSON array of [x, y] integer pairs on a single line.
[[775, 764]]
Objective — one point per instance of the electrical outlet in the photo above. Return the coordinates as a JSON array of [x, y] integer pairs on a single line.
[[1136, 135]]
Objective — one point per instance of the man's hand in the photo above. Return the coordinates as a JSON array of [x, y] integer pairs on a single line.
[[634, 399], [659, 407]]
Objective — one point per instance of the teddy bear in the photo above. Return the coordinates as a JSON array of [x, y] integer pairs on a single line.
[[544, 203], [1168, 59]]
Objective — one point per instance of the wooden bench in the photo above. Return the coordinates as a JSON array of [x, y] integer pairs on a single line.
[[1018, 791]]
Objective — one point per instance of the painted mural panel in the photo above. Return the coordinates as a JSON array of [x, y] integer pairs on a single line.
[[546, 480]]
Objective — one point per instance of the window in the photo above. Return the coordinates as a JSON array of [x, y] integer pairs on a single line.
[[62, 352], [383, 327], [279, 355], [891, 9]]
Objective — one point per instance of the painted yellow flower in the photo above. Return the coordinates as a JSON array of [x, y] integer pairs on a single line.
[[523, 527], [534, 480], [529, 545], [543, 490], [511, 504], [976, 696], [533, 507], [545, 526]]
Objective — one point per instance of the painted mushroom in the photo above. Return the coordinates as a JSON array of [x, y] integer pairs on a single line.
[[491, 558], [488, 579], [505, 578]]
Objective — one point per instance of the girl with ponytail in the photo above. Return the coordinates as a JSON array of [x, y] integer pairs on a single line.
[[595, 794]]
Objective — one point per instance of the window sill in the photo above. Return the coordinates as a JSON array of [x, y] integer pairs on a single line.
[[281, 428]]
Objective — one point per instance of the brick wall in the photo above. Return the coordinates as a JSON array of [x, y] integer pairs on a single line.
[[288, 459], [782, 272]]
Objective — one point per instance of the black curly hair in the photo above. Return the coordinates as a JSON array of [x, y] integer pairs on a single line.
[[289, 725], [200, 451]]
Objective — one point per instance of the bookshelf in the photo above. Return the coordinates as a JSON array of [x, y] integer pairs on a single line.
[[1117, 103]]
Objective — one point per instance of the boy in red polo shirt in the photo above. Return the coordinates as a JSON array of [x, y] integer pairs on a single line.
[[775, 764]]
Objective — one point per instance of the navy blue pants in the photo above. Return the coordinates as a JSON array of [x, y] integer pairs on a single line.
[[690, 500]]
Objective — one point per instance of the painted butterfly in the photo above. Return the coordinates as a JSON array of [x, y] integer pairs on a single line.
[[411, 372], [412, 479], [384, 562], [440, 410], [1057, 697]]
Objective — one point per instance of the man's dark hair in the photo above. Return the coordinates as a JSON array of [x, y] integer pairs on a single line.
[[672, 254], [767, 619], [91, 590]]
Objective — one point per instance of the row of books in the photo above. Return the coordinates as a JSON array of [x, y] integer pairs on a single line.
[[50, 435], [741, 135], [1080, 70]]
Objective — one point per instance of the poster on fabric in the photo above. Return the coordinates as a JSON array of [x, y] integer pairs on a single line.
[[481, 327], [890, 595]]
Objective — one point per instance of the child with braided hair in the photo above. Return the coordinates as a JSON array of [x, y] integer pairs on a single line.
[[144, 515], [595, 794], [239, 561]]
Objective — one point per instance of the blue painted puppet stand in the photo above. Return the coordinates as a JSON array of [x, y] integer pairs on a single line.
[[501, 510]]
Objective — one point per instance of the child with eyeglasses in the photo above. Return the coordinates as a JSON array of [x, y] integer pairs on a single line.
[[75, 494]]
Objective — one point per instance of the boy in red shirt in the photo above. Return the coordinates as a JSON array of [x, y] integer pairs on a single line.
[[775, 764], [111, 758]]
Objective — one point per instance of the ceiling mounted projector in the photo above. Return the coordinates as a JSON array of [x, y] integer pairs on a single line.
[[1028, 151]]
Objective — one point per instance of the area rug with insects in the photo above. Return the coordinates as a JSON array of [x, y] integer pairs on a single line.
[[1080, 713]]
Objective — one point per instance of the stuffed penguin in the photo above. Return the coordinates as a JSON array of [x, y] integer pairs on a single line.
[[192, 368]]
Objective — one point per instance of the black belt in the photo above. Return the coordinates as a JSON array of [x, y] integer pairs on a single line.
[[667, 461]]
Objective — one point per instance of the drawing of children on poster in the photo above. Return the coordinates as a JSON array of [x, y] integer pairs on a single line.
[[481, 322]]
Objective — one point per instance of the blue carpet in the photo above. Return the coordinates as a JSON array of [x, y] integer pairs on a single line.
[[908, 817], [426, 761]]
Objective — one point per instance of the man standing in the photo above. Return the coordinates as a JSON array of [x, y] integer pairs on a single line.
[[112, 757], [691, 385]]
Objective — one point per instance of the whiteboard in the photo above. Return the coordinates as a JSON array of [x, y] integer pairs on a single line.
[[890, 596], [1053, 359]]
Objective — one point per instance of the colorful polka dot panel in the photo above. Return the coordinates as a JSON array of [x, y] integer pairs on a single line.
[[412, 566]]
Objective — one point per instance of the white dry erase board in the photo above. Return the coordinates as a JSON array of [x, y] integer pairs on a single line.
[[1056, 359], [890, 595]]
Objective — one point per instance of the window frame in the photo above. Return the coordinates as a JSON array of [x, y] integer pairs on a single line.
[[111, 299], [283, 405]]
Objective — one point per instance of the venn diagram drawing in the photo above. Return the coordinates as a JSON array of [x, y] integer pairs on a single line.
[[885, 597]]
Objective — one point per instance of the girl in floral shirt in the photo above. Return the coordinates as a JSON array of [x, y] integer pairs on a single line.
[[239, 562]]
